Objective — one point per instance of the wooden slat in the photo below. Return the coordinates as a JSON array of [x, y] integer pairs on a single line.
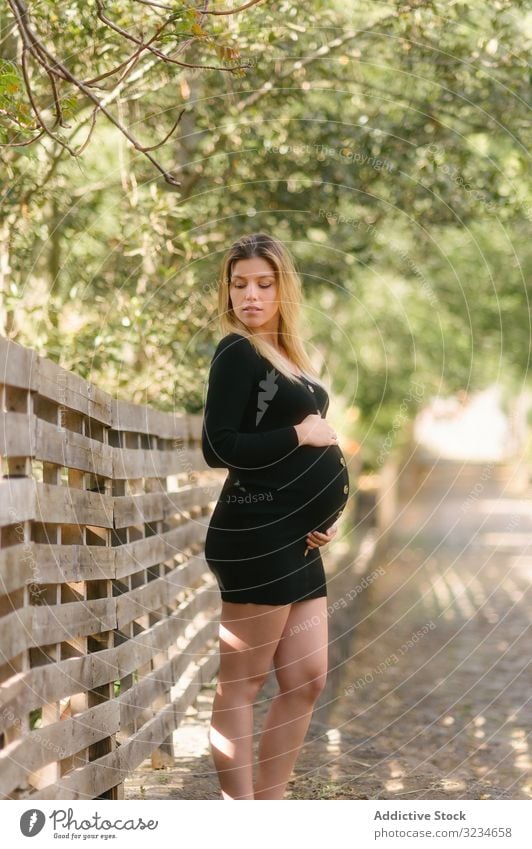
[[146, 463], [18, 434], [137, 418], [17, 498], [17, 567], [134, 604], [134, 556], [58, 622], [18, 365], [44, 684], [149, 507], [162, 679], [194, 421], [23, 368], [15, 632], [42, 563], [86, 782], [73, 392], [69, 506], [56, 741], [57, 564], [49, 563], [26, 499], [95, 778], [68, 448], [151, 596], [41, 625]]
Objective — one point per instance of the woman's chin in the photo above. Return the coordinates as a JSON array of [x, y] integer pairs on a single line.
[[253, 321]]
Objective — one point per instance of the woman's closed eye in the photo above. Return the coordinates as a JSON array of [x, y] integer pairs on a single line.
[[267, 286]]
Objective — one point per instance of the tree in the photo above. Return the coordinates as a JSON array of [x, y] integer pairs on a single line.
[[386, 144], [173, 31]]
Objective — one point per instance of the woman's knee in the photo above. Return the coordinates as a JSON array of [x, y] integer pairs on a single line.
[[254, 683], [307, 684], [242, 687]]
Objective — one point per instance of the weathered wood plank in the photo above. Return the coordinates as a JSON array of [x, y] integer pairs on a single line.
[[18, 434], [63, 447], [15, 632], [152, 506], [57, 622], [137, 418], [45, 684], [134, 556], [43, 563], [17, 497], [162, 679], [41, 625], [194, 421], [55, 742], [18, 365], [95, 778], [73, 392], [146, 463], [57, 564], [17, 566], [27, 499]]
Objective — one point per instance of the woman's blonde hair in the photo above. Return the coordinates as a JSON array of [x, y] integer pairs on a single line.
[[289, 295]]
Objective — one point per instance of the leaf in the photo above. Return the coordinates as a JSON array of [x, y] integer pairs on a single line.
[[227, 52], [198, 30], [9, 83]]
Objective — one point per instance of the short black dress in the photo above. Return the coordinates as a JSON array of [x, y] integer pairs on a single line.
[[276, 491]]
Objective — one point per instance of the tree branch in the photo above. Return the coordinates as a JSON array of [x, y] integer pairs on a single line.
[[30, 41], [230, 11], [203, 11], [158, 53], [31, 44]]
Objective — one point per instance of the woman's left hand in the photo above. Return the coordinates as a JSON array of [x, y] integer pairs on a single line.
[[315, 538]]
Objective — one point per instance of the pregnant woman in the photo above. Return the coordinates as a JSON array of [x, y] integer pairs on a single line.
[[287, 484]]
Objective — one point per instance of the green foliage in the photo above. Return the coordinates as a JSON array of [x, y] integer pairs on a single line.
[[386, 143]]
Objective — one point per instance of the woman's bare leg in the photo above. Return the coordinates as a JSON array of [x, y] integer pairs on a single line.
[[301, 668], [249, 635]]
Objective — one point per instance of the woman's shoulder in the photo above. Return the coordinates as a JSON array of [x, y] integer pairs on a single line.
[[233, 347], [233, 341], [233, 337]]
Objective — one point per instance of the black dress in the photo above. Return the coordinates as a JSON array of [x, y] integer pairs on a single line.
[[277, 491]]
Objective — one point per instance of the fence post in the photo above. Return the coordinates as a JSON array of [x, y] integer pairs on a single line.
[[387, 498]]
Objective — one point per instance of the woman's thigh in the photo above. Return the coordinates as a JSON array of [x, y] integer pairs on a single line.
[[249, 635], [300, 658]]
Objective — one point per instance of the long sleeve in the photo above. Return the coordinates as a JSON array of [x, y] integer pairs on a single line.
[[232, 378]]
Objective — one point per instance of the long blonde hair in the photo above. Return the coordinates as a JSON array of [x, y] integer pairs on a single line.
[[289, 294]]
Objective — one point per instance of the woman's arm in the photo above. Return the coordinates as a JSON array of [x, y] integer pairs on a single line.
[[232, 377]]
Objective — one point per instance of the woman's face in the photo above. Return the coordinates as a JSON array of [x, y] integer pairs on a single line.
[[253, 284]]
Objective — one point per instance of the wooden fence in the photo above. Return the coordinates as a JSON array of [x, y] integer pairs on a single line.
[[107, 607]]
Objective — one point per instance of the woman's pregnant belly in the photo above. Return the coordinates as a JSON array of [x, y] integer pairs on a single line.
[[260, 512], [311, 483], [319, 481]]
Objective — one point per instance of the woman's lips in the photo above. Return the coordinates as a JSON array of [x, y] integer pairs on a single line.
[[252, 309]]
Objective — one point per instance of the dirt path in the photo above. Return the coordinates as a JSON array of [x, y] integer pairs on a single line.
[[430, 682]]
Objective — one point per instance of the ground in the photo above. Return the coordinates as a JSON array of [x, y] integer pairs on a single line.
[[429, 686]]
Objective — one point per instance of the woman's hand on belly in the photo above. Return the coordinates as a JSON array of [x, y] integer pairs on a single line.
[[315, 538], [315, 431]]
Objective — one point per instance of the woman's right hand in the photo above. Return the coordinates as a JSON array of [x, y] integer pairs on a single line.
[[315, 430]]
